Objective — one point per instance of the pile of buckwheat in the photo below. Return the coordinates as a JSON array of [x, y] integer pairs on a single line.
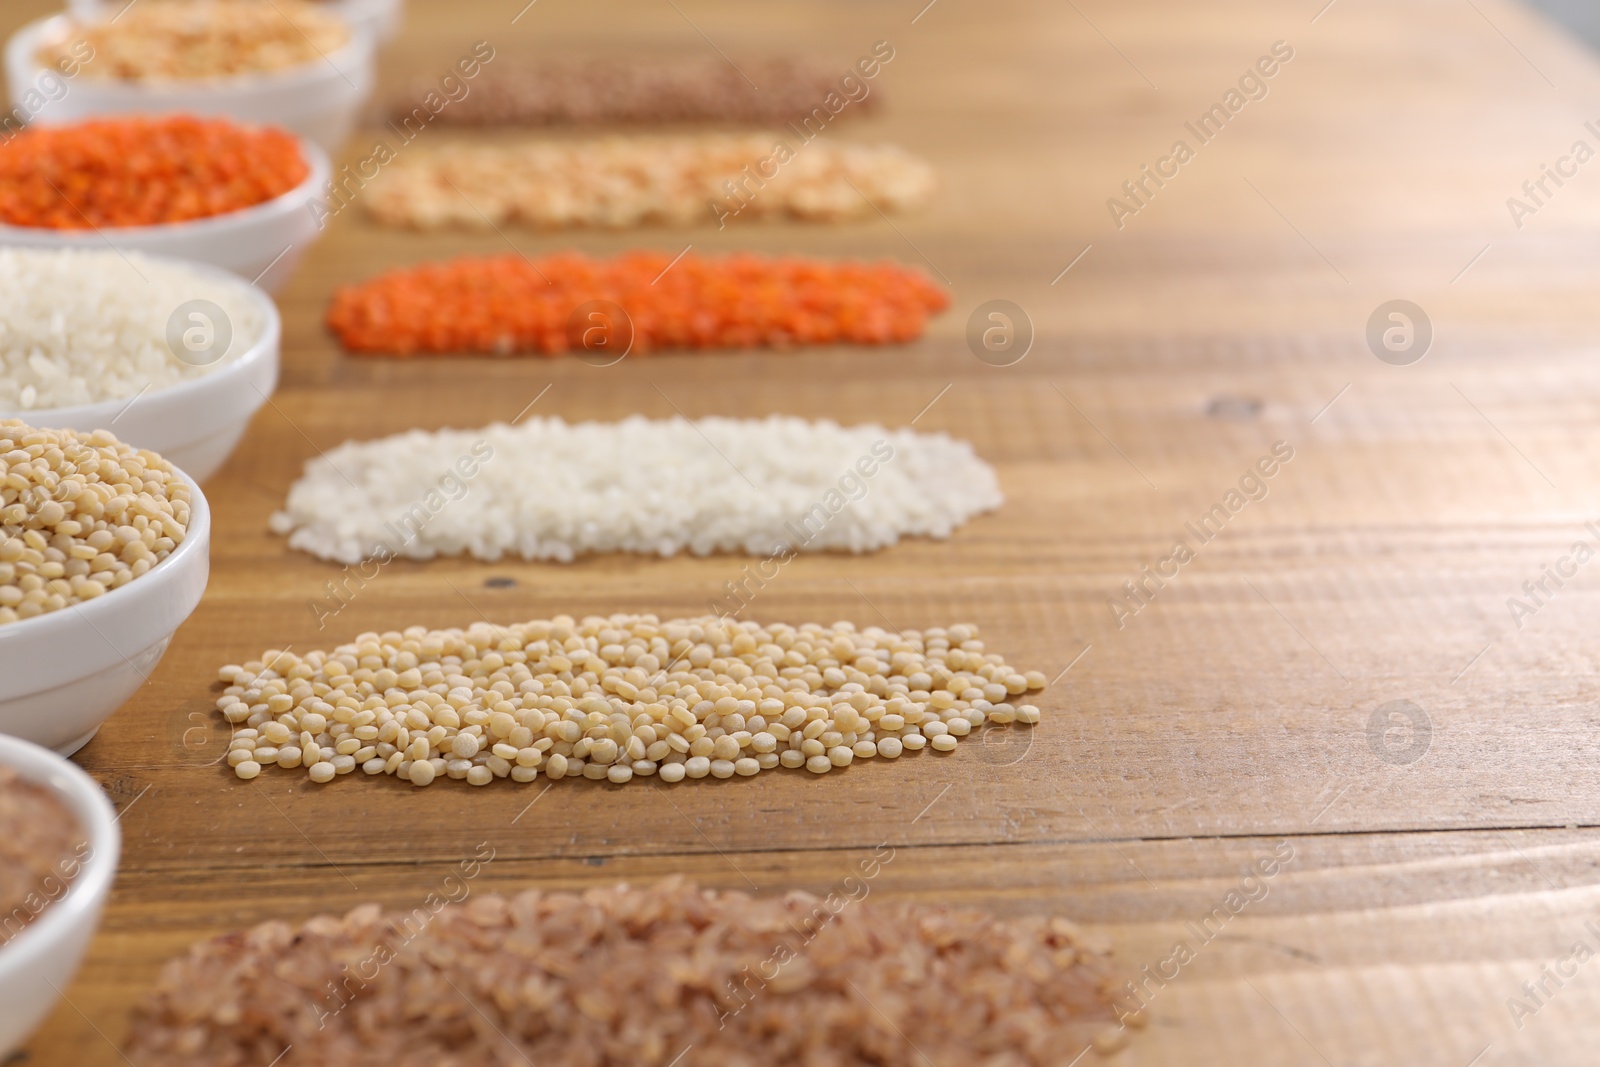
[[80, 515], [616, 698], [639, 89], [632, 181], [638, 976]]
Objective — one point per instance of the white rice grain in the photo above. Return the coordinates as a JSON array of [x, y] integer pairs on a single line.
[[83, 326], [549, 490]]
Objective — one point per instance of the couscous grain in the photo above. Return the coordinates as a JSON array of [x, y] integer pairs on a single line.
[[615, 698]]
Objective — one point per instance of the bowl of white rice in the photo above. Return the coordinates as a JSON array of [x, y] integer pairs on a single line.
[[169, 355]]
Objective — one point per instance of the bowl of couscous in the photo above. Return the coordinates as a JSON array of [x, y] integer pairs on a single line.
[[104, 552]]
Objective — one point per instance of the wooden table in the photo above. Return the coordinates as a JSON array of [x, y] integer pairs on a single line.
[[1442, 850]]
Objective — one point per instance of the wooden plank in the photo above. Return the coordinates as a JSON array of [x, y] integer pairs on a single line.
[[1392, 930]]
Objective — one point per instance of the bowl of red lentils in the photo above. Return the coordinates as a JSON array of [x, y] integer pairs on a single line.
[[207, 189], [287, 63], [104, 552], [59, 846]]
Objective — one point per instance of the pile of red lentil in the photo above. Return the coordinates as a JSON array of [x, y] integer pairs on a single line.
[[509, 304], [142, 171]]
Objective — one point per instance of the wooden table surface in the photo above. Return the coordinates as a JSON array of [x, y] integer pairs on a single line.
[[1443, 850]]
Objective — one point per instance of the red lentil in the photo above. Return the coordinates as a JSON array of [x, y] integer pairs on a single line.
[[506, 304], [142, 171]]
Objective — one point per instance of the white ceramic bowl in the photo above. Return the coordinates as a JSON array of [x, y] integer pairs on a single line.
[[196, 424], [382, 17], [62, 674], [318, 100], [40, 960], [263, 242]]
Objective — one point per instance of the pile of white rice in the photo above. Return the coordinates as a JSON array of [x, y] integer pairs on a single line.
[[547, 490], [83, 326]]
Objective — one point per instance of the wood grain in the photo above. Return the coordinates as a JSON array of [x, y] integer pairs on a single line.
[[1233, 712]]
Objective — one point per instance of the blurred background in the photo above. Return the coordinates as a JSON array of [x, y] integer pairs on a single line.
[[1582, 18]]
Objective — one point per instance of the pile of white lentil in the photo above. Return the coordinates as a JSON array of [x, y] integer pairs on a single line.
[[633, 181], [179, 40], [616, 698], [627, 976], [81, 514]]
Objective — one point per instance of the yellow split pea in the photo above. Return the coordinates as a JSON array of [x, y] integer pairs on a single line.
[[616, 697]]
